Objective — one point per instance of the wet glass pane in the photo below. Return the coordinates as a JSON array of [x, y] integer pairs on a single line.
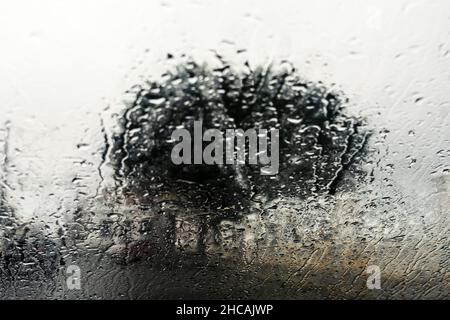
[[351, 202]]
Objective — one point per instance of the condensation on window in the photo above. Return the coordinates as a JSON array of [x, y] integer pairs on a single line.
[[92, 207]]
